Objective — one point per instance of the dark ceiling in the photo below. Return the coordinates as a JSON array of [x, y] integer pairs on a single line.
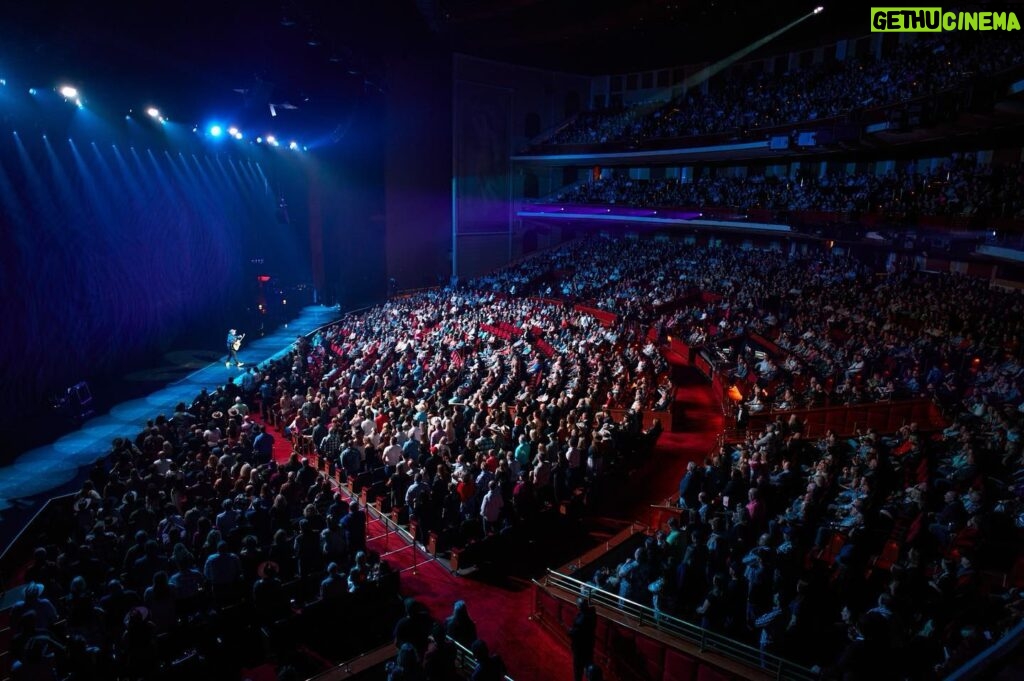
[[605, 36], [317, 60]]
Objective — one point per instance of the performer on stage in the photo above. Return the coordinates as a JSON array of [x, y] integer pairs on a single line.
[[234, 342]]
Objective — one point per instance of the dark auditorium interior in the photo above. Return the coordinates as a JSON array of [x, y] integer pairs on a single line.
[[525, 340]]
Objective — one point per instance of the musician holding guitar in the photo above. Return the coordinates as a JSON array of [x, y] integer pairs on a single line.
[[234, 342]]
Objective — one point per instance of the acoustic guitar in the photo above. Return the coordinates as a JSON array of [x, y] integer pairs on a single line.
[[238, 342]]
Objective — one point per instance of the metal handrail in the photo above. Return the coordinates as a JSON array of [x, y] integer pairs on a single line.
[[465, 660], [705, 640]]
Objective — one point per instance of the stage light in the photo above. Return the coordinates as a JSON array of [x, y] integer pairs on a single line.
[[3, 81], [32, 91], [153, 112], [238, 135], [293, 146], [232, 131], [259, 140], [69, 92], [216, 130], [305, 148], [819, 10]]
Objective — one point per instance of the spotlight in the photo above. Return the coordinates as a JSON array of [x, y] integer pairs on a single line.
[[153, 112], [3, 81], [32, 91], [232, 131], [259, 140], [78, 103], [216, 130], [819, 10], [293, 146], [69, 92], [238, 134]]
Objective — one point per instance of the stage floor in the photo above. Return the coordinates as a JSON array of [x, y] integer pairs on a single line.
[[58, 467]]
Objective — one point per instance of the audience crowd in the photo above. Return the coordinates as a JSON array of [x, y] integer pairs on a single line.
[[875, 557], [477, 425], [184, 537], [741, 101], [835, 332], [480, 409], [960, 187], [834, 553]]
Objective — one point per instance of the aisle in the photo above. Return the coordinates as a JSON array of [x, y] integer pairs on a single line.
[[659, 478]]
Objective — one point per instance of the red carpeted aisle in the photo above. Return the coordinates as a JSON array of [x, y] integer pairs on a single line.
[[501, 612], [659, 478]]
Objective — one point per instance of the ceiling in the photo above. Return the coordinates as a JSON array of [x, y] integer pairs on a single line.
[[316, 61], [606, 36]]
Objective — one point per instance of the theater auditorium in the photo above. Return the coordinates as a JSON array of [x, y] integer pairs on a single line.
[[524, 340]]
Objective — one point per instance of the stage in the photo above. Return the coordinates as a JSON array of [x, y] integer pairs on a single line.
[[58, 467]]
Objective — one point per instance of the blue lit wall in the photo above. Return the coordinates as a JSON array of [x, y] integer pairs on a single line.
[[111, 251]]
